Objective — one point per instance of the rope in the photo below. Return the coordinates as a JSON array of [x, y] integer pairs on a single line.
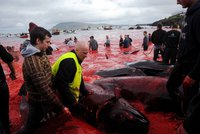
[[149, 52]]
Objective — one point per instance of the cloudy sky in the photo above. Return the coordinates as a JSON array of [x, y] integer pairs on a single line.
[[16, 14]]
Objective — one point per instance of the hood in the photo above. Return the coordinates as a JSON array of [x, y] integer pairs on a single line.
[[29, 51]]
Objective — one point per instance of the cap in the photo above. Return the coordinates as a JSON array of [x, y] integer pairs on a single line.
[[32, 26]]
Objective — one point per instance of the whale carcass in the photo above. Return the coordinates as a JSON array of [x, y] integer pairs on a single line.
[[150, 90], [124, 71], [151, 68], [113, 113], [138, 68]]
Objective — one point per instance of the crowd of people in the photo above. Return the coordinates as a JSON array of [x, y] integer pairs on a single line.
[[125, 42], [66, 73], [180, 49]]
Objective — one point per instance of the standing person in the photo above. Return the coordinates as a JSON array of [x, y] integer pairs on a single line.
[[149, 37], [38, 79], [171, 41], [157, 39], [126, 41], [145, 41], [186, 71], [121, 41], [93, 45], [107, 43], [69, 82], [4, 91], [130, 40], [75, 39], [71, 44]]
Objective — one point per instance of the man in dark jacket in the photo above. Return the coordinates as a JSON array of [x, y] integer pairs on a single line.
[[145, 41], [187, 68], [171, 41], [4, 92], [93, 45], [157, 39]]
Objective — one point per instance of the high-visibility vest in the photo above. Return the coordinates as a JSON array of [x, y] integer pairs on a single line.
[[75, 85]]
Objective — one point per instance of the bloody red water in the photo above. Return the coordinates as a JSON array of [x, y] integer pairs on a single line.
[[113, 57]]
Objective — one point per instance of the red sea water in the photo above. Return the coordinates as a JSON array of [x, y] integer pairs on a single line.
[[113, 57]]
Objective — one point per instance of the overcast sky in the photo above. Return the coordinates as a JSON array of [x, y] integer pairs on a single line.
[[16, 14]]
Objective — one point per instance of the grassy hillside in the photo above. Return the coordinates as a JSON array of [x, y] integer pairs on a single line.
[[175, 19]]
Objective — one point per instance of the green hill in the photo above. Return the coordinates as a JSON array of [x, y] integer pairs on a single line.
[[174, 19]]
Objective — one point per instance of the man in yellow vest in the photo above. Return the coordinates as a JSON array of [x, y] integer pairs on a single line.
[[68, 78]]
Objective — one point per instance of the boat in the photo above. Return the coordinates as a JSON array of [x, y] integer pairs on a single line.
[[130, 28], [69, 31], [55, 32], [107, 28], [23, 35]]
